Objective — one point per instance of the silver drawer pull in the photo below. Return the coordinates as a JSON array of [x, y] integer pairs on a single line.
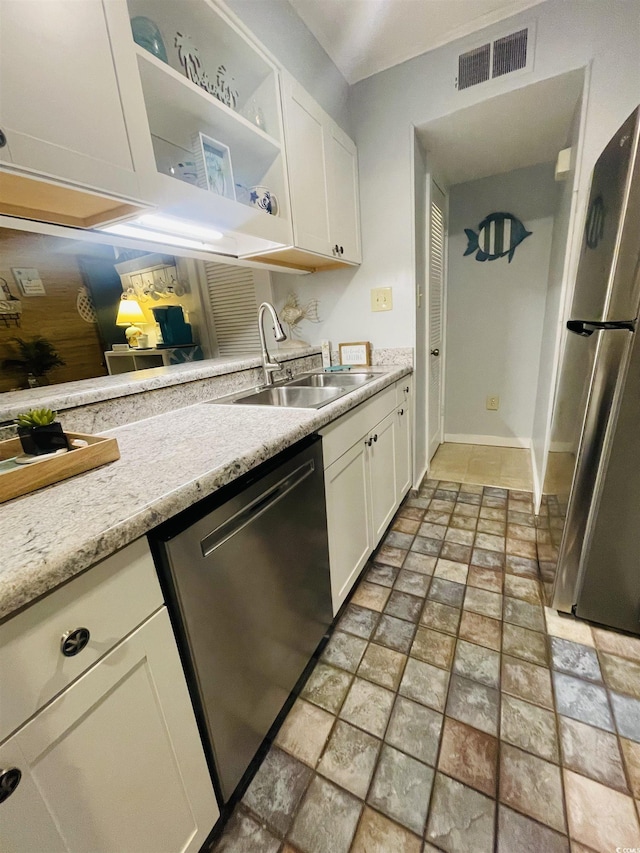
[[73, 642], [9, 781]]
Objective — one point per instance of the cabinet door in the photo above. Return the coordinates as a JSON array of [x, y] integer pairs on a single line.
[[382, 475], [403, 451], [26, 824], [306, 158], [60, 105], [344, 208], [116, 759], [348, 521]]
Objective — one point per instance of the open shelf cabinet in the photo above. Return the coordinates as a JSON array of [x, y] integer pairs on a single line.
[[204, 44]]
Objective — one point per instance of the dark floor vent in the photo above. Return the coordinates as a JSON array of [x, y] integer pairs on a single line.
[[510, 53], [474, 66]]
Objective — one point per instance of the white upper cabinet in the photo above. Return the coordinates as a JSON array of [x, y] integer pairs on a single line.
[[60, 112], [344, 208], [323, 178], [192, 76], [307, 170]]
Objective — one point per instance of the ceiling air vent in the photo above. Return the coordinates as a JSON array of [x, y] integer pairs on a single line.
[[513, 52], [474, 66], [510, 53]]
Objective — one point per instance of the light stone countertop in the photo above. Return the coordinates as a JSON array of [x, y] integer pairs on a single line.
[[69, 395], [168, 463]]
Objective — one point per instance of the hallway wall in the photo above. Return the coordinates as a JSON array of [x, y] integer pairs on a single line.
[[495, 309]]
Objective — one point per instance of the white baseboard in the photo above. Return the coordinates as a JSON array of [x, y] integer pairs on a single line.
[[490, 440], [562, 447]]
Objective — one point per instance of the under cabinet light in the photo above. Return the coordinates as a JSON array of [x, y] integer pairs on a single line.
[[142, 233], [176, 226]]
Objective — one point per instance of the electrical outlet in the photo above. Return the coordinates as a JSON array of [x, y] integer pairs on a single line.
[[493, 404], [381, 299]]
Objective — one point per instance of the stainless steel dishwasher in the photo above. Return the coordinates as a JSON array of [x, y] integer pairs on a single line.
[[247, 582]]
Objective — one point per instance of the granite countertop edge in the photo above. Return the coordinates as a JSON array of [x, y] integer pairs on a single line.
[[42, 555], [83, 392]]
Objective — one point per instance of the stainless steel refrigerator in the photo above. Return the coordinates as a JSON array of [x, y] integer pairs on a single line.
[[597, 408]]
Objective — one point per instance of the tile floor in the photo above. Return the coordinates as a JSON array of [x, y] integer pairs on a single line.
[[506, 467], [450, 710]]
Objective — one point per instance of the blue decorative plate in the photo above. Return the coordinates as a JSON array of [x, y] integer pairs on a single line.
[[147, 34]]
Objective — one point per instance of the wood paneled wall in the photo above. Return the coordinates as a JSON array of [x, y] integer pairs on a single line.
[[53, 316]]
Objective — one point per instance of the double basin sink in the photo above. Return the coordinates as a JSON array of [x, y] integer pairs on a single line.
[[307, 391]]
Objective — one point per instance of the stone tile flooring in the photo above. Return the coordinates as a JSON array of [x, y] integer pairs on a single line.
[[452, 711]]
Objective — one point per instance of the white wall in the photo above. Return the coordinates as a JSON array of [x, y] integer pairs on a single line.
[[282, 32], [570, 35], [495, 309]]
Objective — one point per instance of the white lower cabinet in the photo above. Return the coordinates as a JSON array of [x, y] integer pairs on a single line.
[[368, 472], [404, 435], [114, 762], [348, 519], [382, 475]]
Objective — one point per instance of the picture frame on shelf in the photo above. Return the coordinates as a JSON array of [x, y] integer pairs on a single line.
[[356, 354], [213, 162]]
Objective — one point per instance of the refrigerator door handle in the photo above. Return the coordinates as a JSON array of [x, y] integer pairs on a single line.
[[585, 328]]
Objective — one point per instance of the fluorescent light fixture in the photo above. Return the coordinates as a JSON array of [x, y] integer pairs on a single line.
[[141, 233], [181, 227]]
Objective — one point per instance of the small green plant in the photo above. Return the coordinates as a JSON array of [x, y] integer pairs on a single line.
[[36, 418]]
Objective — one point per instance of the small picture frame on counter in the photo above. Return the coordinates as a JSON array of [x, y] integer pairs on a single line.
[[213, 163], [356, 354]]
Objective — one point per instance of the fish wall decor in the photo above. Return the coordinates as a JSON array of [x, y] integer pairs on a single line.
[[499, 234]]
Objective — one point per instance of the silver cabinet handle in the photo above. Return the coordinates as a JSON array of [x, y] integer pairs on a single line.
[[9, 781], [435, 352], [73, 642]]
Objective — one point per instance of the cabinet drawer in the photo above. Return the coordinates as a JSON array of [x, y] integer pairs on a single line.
[[110, 600], [342, 434]]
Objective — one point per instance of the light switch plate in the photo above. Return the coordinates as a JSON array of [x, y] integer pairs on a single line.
[[381, 299], [493, 403]]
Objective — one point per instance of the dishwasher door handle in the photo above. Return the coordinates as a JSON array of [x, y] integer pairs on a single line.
[[257, 507]]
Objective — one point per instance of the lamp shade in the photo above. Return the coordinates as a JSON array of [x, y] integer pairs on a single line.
[[129, 311]]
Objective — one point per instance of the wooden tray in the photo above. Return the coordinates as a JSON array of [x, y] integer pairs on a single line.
[[22, 479]]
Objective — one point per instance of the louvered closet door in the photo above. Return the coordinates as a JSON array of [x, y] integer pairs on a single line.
[[437, 238], [234, 306]]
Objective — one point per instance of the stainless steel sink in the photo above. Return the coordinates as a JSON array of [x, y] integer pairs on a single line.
[[307, 391], [331, 380], [294, 397]]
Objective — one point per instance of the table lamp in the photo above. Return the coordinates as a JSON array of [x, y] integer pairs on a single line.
[[130, 313]]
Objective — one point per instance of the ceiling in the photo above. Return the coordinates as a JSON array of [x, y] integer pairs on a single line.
[[363, 37], [505, 132]]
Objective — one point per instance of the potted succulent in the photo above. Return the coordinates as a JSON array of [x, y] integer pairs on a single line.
[[35, 357], [40, 433]]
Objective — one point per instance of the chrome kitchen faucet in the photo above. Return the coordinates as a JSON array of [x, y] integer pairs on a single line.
[[268, 366]]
